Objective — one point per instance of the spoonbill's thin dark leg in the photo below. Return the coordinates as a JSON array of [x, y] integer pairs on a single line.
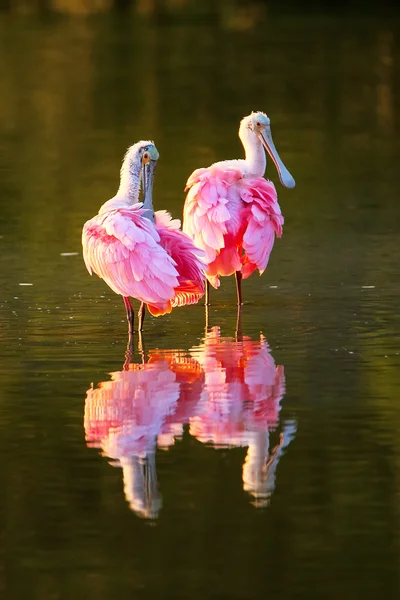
[[130, 315], [207, 315], [207, 297], [239, 287], [141, 314], [238, 332]]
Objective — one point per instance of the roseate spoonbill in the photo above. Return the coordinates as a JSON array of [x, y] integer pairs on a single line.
[[232, 212], [241, 402], [141, 408], [139, 252]]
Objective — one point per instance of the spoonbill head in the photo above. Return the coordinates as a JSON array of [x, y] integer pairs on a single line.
[[259, 124]]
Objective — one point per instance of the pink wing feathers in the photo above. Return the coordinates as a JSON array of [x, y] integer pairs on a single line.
[[264, 220], [234, 219], [206, 214], [123, 248], [124, 415], [186, 257]]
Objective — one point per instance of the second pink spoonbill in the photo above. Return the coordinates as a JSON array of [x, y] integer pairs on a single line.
[[232, 212]]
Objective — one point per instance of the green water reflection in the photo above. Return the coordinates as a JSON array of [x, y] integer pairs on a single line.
[[74, 93]]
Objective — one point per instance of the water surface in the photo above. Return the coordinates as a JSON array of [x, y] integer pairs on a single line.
[[74, 93]]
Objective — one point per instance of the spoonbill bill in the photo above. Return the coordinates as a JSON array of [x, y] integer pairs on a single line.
[[232, 212], [139, 252]]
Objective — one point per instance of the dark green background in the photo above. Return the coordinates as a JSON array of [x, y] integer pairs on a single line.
[[75, 91]]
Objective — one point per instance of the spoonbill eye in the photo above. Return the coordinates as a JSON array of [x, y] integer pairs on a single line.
[[258, 124], [145, 158]]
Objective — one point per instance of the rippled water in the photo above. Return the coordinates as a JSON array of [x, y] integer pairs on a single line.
[[250, 462], [228, 391]]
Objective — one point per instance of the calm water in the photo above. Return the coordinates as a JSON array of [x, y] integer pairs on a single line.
[[264, 463]]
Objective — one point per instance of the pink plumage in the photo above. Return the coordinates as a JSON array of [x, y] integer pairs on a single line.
[[141, 408], [154, 262], [231, 212], [186, 257], [240, 406], [233, 219], [228, 391], [140, 253], [243, 389]]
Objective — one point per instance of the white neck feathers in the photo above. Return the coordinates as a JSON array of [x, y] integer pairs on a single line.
[[129, 186], [255, 160]]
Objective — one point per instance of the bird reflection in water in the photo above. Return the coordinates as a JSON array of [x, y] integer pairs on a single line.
[[141, 408], [228, 390], [240, 406]]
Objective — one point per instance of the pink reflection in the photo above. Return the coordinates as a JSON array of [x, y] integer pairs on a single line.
[[228, 390], [240, 406], [139, 408]]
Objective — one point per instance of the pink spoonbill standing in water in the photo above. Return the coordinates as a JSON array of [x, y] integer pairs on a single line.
[[139, 252], [232, 212]]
